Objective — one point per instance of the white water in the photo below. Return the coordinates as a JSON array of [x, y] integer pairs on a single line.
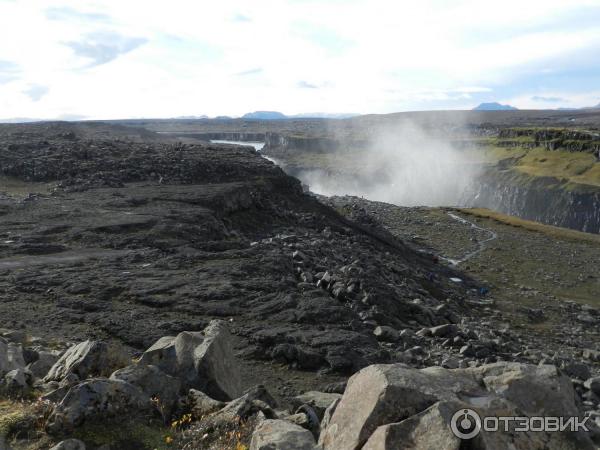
[[481, 244], [257, 145]]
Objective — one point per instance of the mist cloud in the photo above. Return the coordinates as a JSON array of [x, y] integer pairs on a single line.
[[403, 165]]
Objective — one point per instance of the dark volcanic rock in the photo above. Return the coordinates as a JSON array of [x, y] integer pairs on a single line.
[[143, 237]]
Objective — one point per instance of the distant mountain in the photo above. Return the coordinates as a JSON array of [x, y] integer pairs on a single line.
[[494, 106], [265, 115], [585, 108]]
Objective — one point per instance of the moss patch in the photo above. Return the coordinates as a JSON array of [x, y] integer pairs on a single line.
[[15, 417], [127, 434]]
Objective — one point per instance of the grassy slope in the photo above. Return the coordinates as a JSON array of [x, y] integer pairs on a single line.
[[549, 230], [573, 167], [545, 254]]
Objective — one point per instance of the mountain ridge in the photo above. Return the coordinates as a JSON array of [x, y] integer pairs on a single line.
[[494, 106]]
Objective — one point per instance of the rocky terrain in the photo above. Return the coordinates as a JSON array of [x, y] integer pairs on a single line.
[[165, 294]]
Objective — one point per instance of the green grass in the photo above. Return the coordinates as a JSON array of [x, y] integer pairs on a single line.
[[126, 433], [572, 166], [544, 246], [516, 139], [10, 415], [577, 168]]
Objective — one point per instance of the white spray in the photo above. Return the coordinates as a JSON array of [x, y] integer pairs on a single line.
[[404, 165]]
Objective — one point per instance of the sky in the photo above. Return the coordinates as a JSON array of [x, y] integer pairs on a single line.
[[106, 59]]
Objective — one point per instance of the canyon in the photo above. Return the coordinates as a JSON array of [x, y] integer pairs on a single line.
[[194, 294]]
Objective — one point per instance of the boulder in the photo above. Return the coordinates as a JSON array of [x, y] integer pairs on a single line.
[[156, 384], [69, 444], [576, 369], [201, 360], [99, 398], [386, 334], [427, 430], [318, 401], [447, 330], [431, 429], [311, 421], [593, 384], [86, 359], [15, 381], [592, 355], [254, 400], [56, 391], [391, 406], [327, 416], [201, 404], [382, 394], [11, 357], [43, 364], [281, 435], [300, 419], [299, 256], [536, 390], [30, 355], [17, 336]]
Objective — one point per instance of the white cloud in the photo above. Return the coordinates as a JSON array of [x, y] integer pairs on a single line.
[[156, 59], [36, 92]]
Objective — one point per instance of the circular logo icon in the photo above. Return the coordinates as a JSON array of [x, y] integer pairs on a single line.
[[465, 424]]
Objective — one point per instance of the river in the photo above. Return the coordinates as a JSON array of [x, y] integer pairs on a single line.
[[257, 145]]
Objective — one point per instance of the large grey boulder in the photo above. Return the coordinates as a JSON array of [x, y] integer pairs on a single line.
[[536, 390], [11, 357], [382, 394], [318, 401], [201, 404], [328, 414], [427, 430], [97, 399], [254, 400], [281, 435], [69, 444], [43, 364], [86, 359], [201, 360], [396, 407], [156, 384], [56, 390], [15, 381], [593, 384]]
